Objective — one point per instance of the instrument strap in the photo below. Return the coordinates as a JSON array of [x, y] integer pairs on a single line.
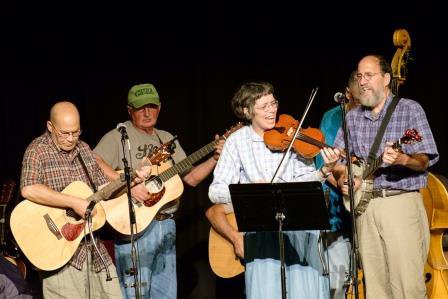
[[382, 129], [95, 189]]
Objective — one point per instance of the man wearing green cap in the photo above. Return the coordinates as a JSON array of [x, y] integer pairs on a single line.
[[157, 252]]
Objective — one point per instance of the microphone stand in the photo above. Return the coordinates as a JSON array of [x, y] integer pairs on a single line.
[[353, 273], [127, 175], [280, 215]]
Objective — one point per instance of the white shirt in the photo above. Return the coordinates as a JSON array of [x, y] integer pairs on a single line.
[[246, 159]]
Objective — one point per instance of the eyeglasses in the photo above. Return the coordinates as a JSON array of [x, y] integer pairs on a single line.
[[66, 135], [267, 106], [368, 76]]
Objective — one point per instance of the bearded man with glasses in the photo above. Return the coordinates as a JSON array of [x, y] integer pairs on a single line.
[[393, 230]]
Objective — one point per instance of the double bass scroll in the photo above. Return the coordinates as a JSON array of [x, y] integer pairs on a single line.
[[402, 40]]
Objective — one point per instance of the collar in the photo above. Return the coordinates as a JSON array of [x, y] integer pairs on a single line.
[[53, 146], [368, 110], [254, 136]]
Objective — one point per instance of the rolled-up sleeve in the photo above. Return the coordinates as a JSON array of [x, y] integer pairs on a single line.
[[226, 173]]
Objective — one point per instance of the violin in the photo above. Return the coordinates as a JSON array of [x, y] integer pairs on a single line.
[[308, 142]]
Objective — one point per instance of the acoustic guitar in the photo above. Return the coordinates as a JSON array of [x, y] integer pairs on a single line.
[[221, 254], [49, 236], [165, 185], [8, 250]]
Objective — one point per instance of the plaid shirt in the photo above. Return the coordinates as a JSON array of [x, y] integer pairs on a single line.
[[44, 163], [408, 114], [246, 159]]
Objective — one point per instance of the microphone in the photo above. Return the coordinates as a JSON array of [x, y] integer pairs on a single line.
[[339, 97], [121, 127]]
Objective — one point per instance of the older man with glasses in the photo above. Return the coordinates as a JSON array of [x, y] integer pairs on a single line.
[[51, 162], [393, 227]]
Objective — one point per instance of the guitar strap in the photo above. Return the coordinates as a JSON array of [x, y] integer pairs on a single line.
[[382, 129], [95, 189], [365, 200]]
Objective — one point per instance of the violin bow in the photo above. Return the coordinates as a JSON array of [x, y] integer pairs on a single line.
[[308, 105]]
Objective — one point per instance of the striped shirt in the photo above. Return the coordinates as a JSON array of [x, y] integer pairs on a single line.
[[246, 159], [408, 114], [44, 163]]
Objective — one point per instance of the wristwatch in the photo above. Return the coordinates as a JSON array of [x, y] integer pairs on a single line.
[[324, 175]]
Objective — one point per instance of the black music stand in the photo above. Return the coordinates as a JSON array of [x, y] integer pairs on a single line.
[[279, 207], [302, 204]]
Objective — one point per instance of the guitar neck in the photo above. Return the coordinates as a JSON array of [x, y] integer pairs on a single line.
[[2, 225], [109, 189], [187, 163], [371, 168], [5, 196]]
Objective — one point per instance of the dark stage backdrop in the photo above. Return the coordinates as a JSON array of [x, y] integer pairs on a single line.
[[197, 63]]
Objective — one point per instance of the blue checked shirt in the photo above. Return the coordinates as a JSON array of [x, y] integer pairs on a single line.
[[362, 127], [246, 159]]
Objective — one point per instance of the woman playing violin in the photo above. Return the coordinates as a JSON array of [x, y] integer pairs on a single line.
[[246, 159]]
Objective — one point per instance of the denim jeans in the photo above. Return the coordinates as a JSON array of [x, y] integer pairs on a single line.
[[157, 262]]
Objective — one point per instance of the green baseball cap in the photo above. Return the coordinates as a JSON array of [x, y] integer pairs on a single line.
[[143, 94]]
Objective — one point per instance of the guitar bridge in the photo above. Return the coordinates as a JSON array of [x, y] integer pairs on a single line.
[[52, 227]]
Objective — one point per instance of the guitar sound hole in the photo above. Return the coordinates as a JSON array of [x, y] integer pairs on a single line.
[[154, 185], [156, 190]]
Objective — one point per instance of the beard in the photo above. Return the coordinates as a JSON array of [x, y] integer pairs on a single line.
[[371, 100]]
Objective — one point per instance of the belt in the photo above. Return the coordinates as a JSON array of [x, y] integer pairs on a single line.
[[161, 216], [389, 192]]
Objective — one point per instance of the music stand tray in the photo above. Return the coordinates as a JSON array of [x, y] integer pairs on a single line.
[[302, 203]]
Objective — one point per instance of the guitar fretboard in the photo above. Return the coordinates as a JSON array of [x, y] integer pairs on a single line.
[[2, 224], [187, 163], [5, 196], [109, 189], [371, 168]]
